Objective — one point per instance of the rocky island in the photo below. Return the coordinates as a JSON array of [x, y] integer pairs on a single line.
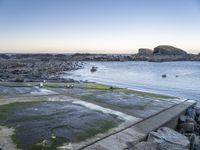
[[165, 53]]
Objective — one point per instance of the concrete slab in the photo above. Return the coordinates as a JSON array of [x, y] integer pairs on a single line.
[[139, 131], [139, 112]]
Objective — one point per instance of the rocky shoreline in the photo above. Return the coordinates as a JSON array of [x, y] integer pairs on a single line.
[[39, 67], [27, 68]]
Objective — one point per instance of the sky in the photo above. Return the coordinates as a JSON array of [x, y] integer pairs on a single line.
[[98, 26]]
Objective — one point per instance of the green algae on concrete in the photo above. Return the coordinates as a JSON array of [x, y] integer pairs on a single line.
[[59, 85], [44, 144], [70, 122], [124, 90], [144, 94], [46, 125], [8, 108], [96, 127], [98, 86], [131, 104], [86, 85]]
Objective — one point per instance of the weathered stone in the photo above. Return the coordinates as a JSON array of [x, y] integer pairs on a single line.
[[168, 50], [169, 139]]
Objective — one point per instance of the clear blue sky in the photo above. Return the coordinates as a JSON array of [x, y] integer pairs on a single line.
[[103, 26]]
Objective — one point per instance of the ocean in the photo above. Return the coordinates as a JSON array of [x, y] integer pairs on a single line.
[[182, 78]]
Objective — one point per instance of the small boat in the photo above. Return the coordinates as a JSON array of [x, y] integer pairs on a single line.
[[164, 76], [93, 69]]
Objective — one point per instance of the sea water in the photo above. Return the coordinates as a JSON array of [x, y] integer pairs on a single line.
[[182, 78]]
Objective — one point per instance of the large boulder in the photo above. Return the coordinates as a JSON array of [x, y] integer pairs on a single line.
[[168, 50], [167, 138], [164, 139], [145, 51]]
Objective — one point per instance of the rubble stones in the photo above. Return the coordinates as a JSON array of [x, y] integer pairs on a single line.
[[164, 139], [20, 68]]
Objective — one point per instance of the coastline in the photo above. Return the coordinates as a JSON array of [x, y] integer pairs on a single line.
[[39, 67], [32, 85]]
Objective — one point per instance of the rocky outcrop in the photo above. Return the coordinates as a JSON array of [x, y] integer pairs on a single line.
[[168, 50], [145, 51], [21, 68], [165, 53]]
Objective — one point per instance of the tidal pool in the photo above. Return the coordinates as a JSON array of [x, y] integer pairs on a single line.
[[48, 124]]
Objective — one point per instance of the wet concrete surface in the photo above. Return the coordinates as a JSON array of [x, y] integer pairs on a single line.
[[136, 105], [16, 90], [29, 90], [71, 115], [133, 104], [38, 121]]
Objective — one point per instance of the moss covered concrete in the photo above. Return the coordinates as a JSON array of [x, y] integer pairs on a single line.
[[21, 110]]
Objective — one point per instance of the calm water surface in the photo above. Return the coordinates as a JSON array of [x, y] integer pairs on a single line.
[[183, 78]]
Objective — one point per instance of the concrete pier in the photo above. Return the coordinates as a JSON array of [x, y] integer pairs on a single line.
[[128, 137], [91, 116]]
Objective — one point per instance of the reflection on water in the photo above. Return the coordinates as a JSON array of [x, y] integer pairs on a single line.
[[183, 78]]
